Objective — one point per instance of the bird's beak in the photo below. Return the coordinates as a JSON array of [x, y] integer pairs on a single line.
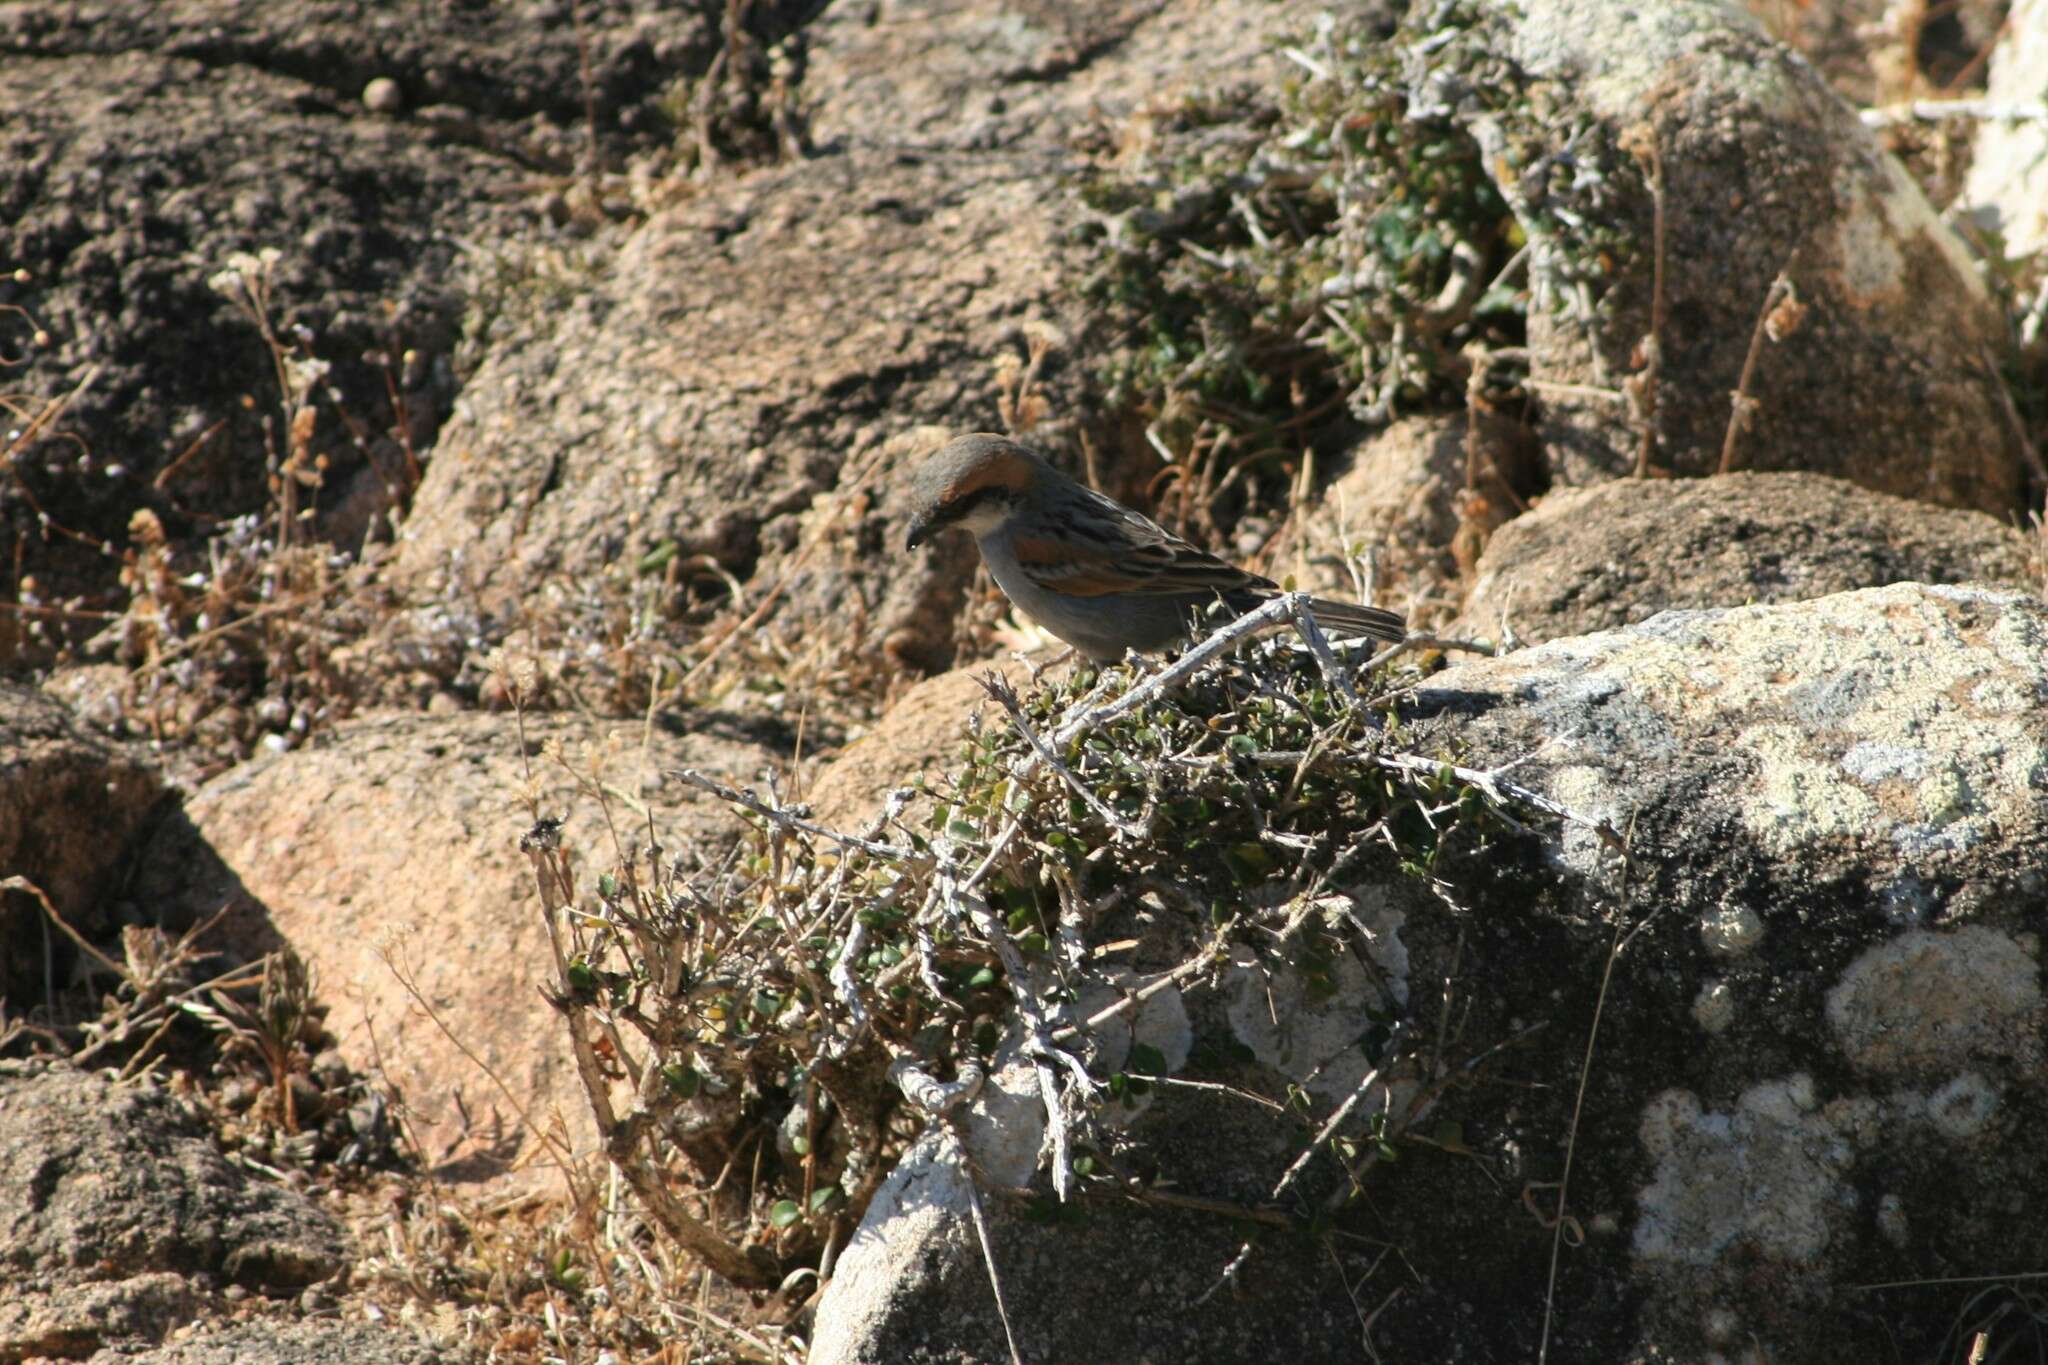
[[920, 531]]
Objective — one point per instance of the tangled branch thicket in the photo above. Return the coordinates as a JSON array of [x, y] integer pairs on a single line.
[[750, 1027], [1367, 240]]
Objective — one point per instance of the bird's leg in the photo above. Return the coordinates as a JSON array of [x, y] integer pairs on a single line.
[[1038, 670]]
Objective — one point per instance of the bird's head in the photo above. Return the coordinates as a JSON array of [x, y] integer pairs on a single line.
[[973, 483]]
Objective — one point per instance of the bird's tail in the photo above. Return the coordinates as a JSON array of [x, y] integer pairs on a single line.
[[1349, 618]]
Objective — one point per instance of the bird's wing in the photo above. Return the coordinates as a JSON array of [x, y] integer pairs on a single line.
[[1105, 547]]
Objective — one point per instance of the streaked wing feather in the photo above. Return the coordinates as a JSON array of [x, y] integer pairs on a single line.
[[1104, 548], [1110, 549]]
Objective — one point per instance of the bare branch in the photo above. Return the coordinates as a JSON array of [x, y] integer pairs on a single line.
[[788, 820]]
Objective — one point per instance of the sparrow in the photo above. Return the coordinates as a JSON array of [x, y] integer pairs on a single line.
[[1090, 570]]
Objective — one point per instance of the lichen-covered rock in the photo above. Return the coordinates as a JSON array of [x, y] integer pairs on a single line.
[[1818, 1058], [1891, 736]]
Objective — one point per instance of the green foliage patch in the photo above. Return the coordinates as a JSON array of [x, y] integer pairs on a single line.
[[1282, 263], [775, 988]]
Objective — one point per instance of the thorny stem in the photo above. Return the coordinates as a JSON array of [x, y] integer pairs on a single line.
[[1001, 690], [786, 819], [623, 1138]]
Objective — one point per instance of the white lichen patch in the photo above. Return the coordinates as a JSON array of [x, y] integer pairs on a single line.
[[1797, 800], [1586, 791], [1907, 717], [1891, 1220], [1771, 1175], [1963, 1107], [1941, 741], [1872, 268], [1938, 1000], [1158, 1021], [1871, 762], [1731, 930], [2020, 640], [1713, 1009], [1312, 1031]]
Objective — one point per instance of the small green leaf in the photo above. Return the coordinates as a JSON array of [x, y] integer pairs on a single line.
[[1148, 1059], [824, 1197], [784, 1213], [682, 1081]]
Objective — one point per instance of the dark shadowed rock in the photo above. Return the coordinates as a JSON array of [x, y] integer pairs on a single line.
[[71, 803], [216, 129]]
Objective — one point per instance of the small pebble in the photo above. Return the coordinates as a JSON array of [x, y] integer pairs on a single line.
[[382, 96]]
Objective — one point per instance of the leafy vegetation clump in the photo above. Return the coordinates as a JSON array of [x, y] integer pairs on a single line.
[[1338, 253], [761, 1012], [1249, 772]]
